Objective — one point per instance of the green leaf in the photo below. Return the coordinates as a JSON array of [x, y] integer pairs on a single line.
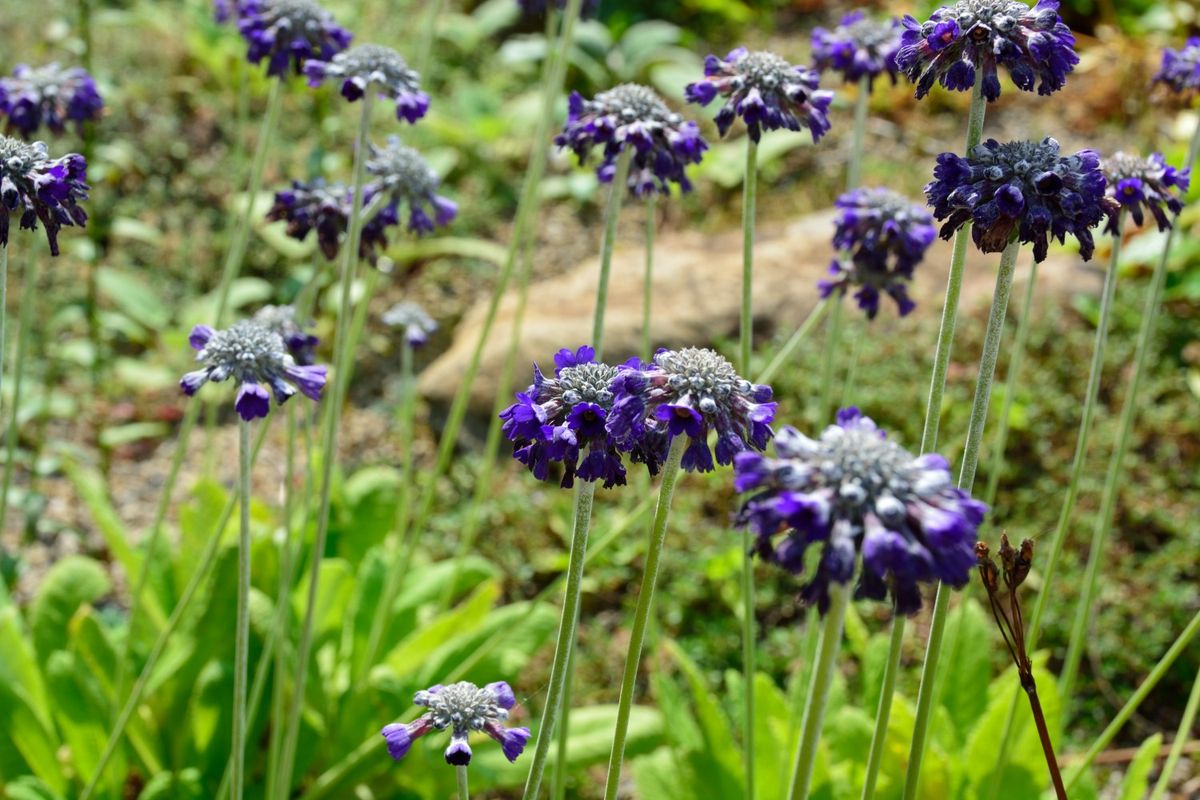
[[18, 669], [447, 246], [409, 656], [370, 498], [721, 767], [971, 640], [83, 717], [183, 785], [526, 628], [32, 745], [133, 295], [28, 787], [1137, 778], [772, 747], [68, 584], [334, 592]]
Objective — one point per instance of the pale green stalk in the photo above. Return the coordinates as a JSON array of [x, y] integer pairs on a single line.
[[463, 794], [558, 780], [858, 136], [833, 335], [648, 280], [749, 203], [859, 332], [884, 711], [800, 686], [794, 341], [966, 479], [612, 212], [1181, 737], [3, 314], [428, 36], [641, 616], [818, 690], [24, 334], [241, 646]]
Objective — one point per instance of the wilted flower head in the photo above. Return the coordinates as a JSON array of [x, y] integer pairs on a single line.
[[690, 392], [462, 708], [300, 343], [38, 187], [51, 94], [587, 8], [1180, 71], [224, 10], [633, 117], [373, 66], [1022, 188], [253, 355], [1033, 44], [882, 237], [854, 491], [325, 208], [287, 33], [401, 174], [1135, 182], [859, 47], [767, 92], [417, 324]]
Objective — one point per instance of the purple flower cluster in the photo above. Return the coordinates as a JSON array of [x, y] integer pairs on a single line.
[[402, 176], [462, 708], [35, 187], [1180, 70], [371, 66], [300, 342], [417, 324], [855, 492], [958, 40], [1135, 182], [690, 392], [881, 237], [767, 92], [287, 33], [51, 94], [1024, 189], [859, 47], [326, 208], [253, 355], [635, 118]]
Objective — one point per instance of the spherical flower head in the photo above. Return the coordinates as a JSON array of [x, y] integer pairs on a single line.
[[255, 357], [1135, 182], [287, 33], [402, 175], [854, 492], [859, 47], [417, 324], [1180, 71], [634, 118], [690, 392], [35, 187], [1033, 44], [300, 343], [1024, 189], [325, 208], [462, 708], [371, 67], [767, 92], [52, 94], [587, 8]]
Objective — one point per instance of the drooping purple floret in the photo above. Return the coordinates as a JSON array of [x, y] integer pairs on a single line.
[[370, 67], [417, 324], [35, 187], [767, 92], [225, 10], [460, 708], [287, 33], [859, 47], [1180, 71], [1033, 44], [325, 208], [854, 491], [632, 117], [1021, 188], [402, 176], [52, 94], [690, 392], [1137, 182], [255, 357], [300, 342]]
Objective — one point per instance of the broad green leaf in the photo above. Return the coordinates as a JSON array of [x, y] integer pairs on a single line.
[[27, 744], [334, 592], [183, 785], [68, 584], [722, 763], [133, 294], [1137, 778], [369, 501], [525, 628], [18, 667], [409, 656], [771, 745], [447, 246], [82, 718], [28, 787], [971, 639], [662, 776]]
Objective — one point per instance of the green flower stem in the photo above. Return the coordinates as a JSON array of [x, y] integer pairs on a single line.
[[1083, 609], [329, 446], [199, 577], [859, 333], [798, 692], [818, 690], [1131, 705], [585, 491], [558, 780], [3, 317], [612, 213], [641, 616], [794, 341], [428, 37], [463, 794], [749, 666], [861, 105], [24, 334], [833, 335], [884, 712], [648, 280], [1181, 737], [749, 203], [241, 647], [966, 479]]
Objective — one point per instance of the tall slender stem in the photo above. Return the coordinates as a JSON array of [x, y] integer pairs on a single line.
[[818, 690], [861, 105], [24, 334], [794, 341], [648, 280], [463, 794], [241, 646], [884, 711], [3, 320], [558, 780], [966, 479], [612, 212], [1181, 737], [428, 36], [749, 203], [1039, 719], [749, 666], [585, 491], [641, 615], [282, 610], [833, 335]]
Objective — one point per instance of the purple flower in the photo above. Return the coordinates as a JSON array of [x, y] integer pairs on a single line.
[[462, 708], [1023, 189], [859, 47], [51, 94], [690, 392], [855, 492], [767, 92], [301, 344], [402, 175], [1033, 44], [325, 208], [1135, 182], [371, 66], [417, 324], [287, 33], [253, 355], [633, 117], [1180, 70], [587, 8], [35, 187], [225, 10], [882, 237]]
